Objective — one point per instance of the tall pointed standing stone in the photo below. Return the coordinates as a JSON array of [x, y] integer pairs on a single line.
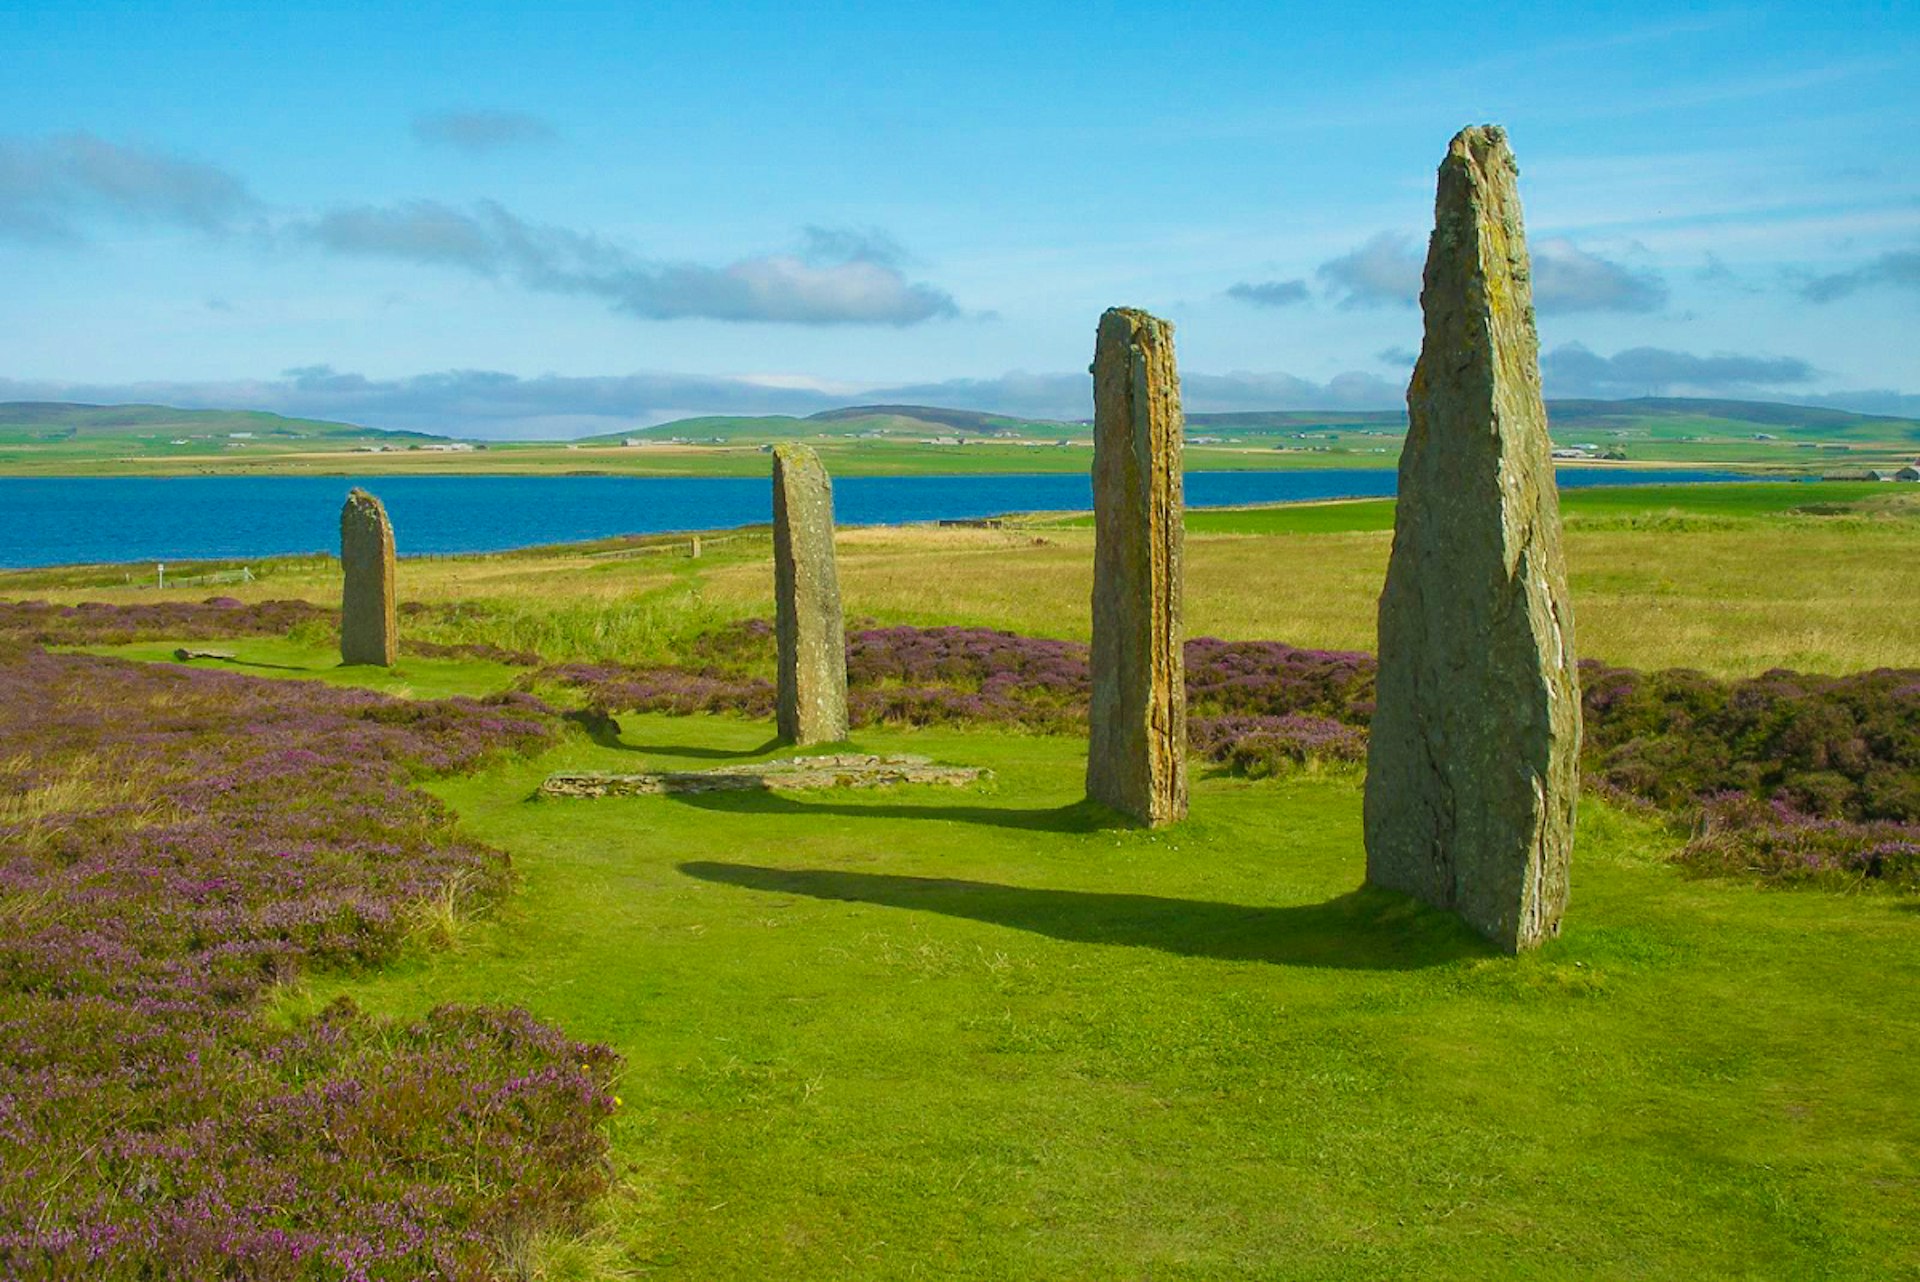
[[1137, 749], [1473, 766], [808, 626], [368, 632]]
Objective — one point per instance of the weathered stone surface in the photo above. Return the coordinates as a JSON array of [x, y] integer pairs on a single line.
[[187, 654], [808, 628], [840, 770], [1473, 767], [368, 631], [1137, 749]]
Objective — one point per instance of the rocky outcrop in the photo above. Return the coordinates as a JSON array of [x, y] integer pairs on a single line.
[[1137, 746], [1472, 769], [369, 632], [809, 631]]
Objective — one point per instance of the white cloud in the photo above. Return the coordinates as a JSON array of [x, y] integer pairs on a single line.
[[50, 187], [1386, 271], [836, 277]]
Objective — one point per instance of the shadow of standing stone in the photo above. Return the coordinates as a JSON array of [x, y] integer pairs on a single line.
[[368, 630], [1472, 769], [1137, 746], [808, 628]]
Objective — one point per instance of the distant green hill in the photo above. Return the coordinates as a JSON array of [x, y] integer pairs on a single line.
[[52, 435], [1652, 419], [711, 429], [911, 422], [1674, 417], [1267, 422], [30, 422], [1575, 412], [959, 421]]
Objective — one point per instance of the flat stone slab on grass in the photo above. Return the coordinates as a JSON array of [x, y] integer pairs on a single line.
[[841, 770], [186, 654]]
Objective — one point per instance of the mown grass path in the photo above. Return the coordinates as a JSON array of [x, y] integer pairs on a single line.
[[973, 1034]]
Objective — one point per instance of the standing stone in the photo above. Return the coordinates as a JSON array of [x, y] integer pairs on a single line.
[[1137, 750], [1473, 766], [368, 633], [807, 621]]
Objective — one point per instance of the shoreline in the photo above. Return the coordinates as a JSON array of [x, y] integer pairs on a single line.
[[659, 542]]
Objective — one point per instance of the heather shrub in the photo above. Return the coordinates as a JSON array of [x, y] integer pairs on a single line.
[[1839, 751], [1739, 834], [1831, 747], [470, 650], [614, 687], [174, 842], [99, 623], [742, 646], [1262, 746], [925, 676], [1273, 679]]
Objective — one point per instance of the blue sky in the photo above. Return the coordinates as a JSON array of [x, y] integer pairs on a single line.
[[516, 220]]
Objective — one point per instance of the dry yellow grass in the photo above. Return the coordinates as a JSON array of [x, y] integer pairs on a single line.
[[39, 799], [1733, 598], [1804, 595]]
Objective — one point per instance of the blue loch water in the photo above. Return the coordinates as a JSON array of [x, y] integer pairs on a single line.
[[76, 520]]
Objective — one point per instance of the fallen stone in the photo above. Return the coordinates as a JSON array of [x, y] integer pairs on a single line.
[[842, 770], [186, 655], [1137, 743], [369, 631], [1473, 768], [809, 630]]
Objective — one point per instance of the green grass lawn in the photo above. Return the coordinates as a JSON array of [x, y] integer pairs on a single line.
[[411, 678], [975, 1034]]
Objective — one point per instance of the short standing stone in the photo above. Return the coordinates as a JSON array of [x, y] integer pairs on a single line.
[[1472, 769], [808, 627], [1137, 747], [368, 633]]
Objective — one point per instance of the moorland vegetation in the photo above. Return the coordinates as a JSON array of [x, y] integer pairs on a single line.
[[981, 1034]]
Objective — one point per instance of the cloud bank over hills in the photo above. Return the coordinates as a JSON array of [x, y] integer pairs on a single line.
[[1385, 271], [495, 405]]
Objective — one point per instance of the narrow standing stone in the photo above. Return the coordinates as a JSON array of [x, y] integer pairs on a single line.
[[1137, 749], [1473, 765], [807, 621], [368, 632]]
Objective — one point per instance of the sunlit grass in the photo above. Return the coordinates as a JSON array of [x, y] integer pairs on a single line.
[[978, 1035], [1726, 579], [981, 1035]]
